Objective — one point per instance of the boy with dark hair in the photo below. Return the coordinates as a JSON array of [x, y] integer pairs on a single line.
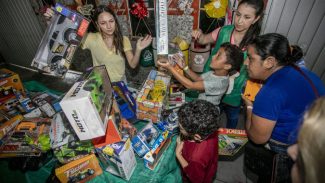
[[212, 84], [197, 151]]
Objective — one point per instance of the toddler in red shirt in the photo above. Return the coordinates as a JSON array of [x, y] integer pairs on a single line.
[[197, 149]]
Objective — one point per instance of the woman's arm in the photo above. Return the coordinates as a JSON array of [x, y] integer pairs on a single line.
[[133, 59], [202, 38]]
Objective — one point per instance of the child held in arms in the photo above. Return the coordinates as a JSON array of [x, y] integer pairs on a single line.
[[212, 84], [197, 146]]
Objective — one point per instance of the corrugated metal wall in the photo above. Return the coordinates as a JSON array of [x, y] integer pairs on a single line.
[[20, 32], [303, 22]]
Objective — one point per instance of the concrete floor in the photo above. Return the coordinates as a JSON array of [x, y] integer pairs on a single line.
[[228, 171]]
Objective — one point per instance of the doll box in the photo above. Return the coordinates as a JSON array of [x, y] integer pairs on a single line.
[[118, 158], [10, 79], [60, 41], [80, 170], [152, 97], [88, 103]]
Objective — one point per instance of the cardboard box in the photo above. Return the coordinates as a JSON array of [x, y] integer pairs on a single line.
[[88, 103], [145, 139], [118, 158], [80, 170], [60, 41], [7, 125], [152, 97], [10, 79], [231, 142], [152, 157], [251, 89]]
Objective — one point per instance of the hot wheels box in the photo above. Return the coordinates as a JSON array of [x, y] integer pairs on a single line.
[[60, 41], [80, 170], [7, 125], [153, 96], [88, 103], [10, 79], [118, 158]]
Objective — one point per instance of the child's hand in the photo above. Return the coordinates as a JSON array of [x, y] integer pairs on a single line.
[[164, 63], [179, 146], [179, 60], [196, 34]]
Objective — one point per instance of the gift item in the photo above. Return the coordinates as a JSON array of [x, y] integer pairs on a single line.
[[251, 89], [231, 142], [10, 79], [60, 41], [44, 101], [88, 103], [145, 139], [7, 124], [152, 157], [80, 170], [118, 158], [153, 95]]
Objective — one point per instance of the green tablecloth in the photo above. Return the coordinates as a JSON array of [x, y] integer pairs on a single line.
[[167, 170]]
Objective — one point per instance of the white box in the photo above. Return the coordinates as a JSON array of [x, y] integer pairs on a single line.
[[88, 103], [118, 158]]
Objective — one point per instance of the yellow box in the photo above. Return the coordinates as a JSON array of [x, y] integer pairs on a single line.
[[9, 78], [251, 89], [80, 170]]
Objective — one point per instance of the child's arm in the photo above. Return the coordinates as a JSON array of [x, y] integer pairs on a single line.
[[196, 85], [180, 62], [178, 151]]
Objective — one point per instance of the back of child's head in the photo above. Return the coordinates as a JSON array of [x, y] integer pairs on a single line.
[[296, 52], [235, 56], [199, 117]]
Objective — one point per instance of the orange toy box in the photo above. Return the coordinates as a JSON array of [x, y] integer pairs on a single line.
[[153, 96], [10, 79], [251, 89], [80, 170], [7, 125]]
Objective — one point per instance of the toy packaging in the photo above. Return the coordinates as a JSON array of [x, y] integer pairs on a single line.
[[60, 41], [145, 139], [118, 158], [44, 101], [61, 132], [231, 142], [29, 138], [88, 103], [80, 170], [251, 89], [10, 79], [7, 124], [73, 150], [152, 157], [152, 97], [125, 100]]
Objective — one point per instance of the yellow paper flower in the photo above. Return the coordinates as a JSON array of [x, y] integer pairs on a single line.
[[216, 8]]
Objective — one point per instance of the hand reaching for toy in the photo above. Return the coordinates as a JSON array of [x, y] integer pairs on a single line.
[[179, 60], [164, 63], [48, 15], [143, 42], [196, 34]]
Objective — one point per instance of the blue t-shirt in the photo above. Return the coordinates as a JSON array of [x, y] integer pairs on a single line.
[[283, 98]]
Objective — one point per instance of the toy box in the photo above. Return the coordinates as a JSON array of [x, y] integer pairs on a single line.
[[125, 100], [152, 97], [231, 142], [44, 101], [118, 158], [29, 138], [80, 170], [88, 103], [152, 157], [6, 125], [60, 41], [251, 89], [145, 139], [10, 79]]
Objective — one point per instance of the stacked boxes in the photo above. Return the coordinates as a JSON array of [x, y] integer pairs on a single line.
[[153, 96], [88, 103], [60, 41]]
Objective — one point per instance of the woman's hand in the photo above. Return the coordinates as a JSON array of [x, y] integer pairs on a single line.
[[164, 63], [48, 15], [196, 34], [247, 101], [143, 42]]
